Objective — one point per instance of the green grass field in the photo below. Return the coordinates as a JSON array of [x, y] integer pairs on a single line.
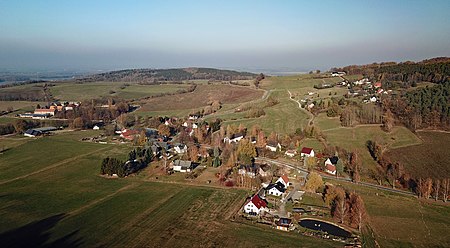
[[404, 221], [85, 91], [70, 205]]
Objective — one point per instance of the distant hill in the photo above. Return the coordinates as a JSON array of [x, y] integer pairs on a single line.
[[158, 75], [435, 70]]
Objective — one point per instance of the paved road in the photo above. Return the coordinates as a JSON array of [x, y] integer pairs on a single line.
[[297, 167]]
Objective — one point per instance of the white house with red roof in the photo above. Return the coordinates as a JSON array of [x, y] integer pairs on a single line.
[[307, 152], [330, 165], [129, 134], [255, 205], [284, 180]]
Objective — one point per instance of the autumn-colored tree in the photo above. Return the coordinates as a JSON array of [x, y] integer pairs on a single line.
[[329, 194], [241, 128], [261, 141], [78, 122], [163, 130], [340, 206], [388, 121], [203, 152], [142, 138], [255, 130], [273, 137], [436, 188], [20, 125], [425, 187], [310, 163], [193, 153], [357, 210], [246, 151], [445, 188], [314, 182]]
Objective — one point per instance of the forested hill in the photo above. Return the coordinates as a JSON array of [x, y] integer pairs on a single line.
[[436, 70], [158, 75]]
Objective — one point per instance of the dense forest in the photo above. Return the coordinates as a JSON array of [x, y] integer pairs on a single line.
[[426, 107], [404, 74], [161, 75]]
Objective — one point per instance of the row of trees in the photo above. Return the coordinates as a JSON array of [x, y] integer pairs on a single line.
[[137, 159], [436, 189]]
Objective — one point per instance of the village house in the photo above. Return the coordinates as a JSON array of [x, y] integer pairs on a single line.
[[180, 148], [235, 138], [290, 153], [255, 205], [337, 73], [284, 224], [264, 170], [273, 146], [284, 180], [330, 165], [248, 171], [184, 166], [307, 152], [276, 189]]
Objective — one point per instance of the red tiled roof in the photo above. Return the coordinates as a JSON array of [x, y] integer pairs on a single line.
[[306, 150], [259, 203], [285, 178], [331, 167]]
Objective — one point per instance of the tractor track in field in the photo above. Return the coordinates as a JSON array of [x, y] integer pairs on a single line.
[[55, 165]]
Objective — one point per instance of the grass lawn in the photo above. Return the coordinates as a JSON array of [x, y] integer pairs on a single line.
[[4, 105], [404, 221], [78, 92], [355, 138]]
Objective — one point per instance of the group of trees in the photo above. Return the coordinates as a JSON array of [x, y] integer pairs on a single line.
[[345, 207], [137, 159], [436, 189]]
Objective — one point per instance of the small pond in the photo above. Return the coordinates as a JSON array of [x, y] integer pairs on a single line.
[[325, 227]]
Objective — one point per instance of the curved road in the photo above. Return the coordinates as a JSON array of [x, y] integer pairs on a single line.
[[311, 116]]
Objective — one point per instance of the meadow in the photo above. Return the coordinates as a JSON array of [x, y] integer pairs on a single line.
[[70, 205], [86, 91], [403, 221], [429, 159]]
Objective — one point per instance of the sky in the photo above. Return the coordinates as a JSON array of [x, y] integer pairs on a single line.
[[247, 34]]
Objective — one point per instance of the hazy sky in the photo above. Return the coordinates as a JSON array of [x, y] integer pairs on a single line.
[[300, 35]]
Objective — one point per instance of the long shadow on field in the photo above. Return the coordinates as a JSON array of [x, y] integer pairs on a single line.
[[37, 234]]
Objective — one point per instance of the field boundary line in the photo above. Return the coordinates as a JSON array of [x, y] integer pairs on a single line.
[[55, 165], [94, 202]]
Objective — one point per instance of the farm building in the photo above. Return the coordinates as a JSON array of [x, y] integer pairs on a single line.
[[184, 166], [33, 132], [307, 152], [255, 205]]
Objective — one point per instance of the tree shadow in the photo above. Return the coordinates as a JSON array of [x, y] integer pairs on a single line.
[[37, 234]]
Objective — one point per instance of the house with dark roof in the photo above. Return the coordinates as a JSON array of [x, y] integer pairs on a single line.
[[33, 132], [284, 224], [235, 138], [276, 189], [255, 205], [264, 170], [183, 166], [307, 152], [330, 165], [273, 146], [248, 170]]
